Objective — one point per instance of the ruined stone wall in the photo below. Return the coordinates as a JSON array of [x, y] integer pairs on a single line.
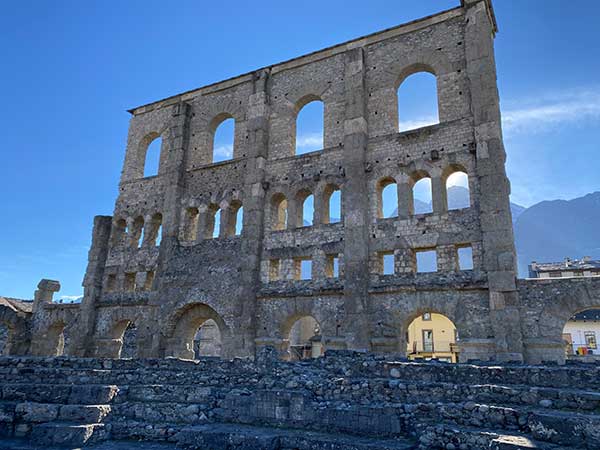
[[155, 263]]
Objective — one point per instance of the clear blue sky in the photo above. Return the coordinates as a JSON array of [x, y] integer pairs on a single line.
[[71, 69]]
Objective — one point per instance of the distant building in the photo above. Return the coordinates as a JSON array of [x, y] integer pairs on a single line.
[[581, 333], [584, 267]]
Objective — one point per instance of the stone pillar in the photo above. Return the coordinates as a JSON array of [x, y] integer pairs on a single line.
[[356, 327], [44, 293], [438, 194], [499, 260], [83, 332], [254, 214], [405, 197]]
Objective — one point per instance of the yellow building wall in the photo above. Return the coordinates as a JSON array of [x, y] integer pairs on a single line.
[[444, 338]]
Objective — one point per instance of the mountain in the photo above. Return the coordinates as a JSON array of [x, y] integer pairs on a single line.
[[552, 230]]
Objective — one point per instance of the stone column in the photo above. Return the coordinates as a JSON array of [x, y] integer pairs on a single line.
[[499, 260], [254, 214], [356, 327], [82, 334], [405, 197]]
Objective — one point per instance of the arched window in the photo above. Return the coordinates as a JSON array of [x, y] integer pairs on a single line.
[[213, 222], [417, 101], [304, 340], [332, 204], [387, 206], [422, 197], [279, 213], [154, 230], [457, 190], [239, 221], [306, 209], [235, 219], [207, 340], [152, 157], [432, 335], [137, 233], [190, 231], [309, 127], [224, 138]]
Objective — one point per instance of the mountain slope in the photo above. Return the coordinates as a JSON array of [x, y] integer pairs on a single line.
[[552, 230]]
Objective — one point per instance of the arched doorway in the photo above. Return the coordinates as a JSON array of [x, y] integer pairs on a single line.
[[304, 340], [432, 336], [581, 334], [55, 342], [197, 331], [207, 341], [129, 342]]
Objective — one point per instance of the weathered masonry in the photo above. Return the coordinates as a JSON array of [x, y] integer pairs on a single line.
[[226, 242]]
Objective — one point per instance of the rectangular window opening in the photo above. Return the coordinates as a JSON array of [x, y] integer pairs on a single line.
[[426, 261], [274, 269], [111, 282], [387, 260], [149, 280], [333, 266], [129, 282], [465, 257]]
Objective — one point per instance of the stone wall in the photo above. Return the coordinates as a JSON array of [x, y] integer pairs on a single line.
[[155, 264]]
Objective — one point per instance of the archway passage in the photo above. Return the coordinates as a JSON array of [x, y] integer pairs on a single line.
[[207, 341], [432, 336], [304, 340], [581, 334], [129, 339], [190, 338]]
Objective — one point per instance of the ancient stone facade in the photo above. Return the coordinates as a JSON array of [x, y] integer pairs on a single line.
[[248, 284]]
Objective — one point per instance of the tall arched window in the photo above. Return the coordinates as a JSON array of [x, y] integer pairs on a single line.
[[332, 204], [306, 209], [309, 127], [239, 221], [417, 101], [457, 190], [137, 235], [155, 231], [387, 192], [224, 139], [213, 222], [190, 231], [235, 219], [422, 197], [279, 213], [152, 157]]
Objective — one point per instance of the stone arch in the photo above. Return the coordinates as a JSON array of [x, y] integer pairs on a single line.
[[279, 216], [562, 300], [432, 335], [142, 153], [302, 337], [18, 337], [331, 204], [53, 342], [451, 202], [213, 126], [300, 121], [125, 345], [387, 207], [425, 205], [302, 199], [183, 326]]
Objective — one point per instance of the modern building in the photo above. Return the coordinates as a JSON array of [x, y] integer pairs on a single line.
[[581, 333], [432, 336], [584, 267]]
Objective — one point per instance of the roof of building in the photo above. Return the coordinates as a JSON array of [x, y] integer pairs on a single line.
[[588, 314], [567, 264], [17, 304]]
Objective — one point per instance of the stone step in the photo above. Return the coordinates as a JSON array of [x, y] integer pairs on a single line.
[[566, 429], [442, 436], [244, 437], [65, 434], [23, 444]]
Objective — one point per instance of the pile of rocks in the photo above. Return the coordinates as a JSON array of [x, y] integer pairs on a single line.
[[345, 400]]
